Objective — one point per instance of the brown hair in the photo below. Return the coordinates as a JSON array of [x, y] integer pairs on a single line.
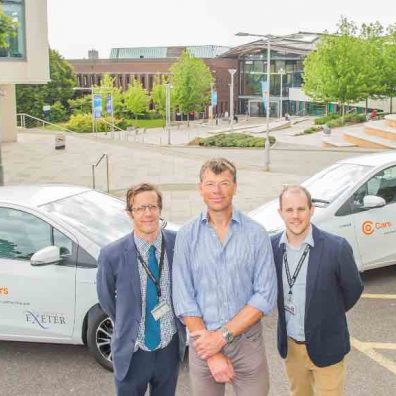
[[139, 188], [295, 188], [217, 166]]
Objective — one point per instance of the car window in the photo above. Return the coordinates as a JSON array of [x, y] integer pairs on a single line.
[[22, 234], [330, 183], [64, 244], [383, 185]]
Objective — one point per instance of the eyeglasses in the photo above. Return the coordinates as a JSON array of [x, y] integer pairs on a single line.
[[142, 209]]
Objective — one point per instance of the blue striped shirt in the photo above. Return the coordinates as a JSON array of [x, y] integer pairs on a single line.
[[215, 280]]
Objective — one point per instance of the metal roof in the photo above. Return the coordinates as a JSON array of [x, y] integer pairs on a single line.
[[297, 43], [199, 51]]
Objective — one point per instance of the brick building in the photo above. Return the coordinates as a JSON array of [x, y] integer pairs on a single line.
[[146, 63]]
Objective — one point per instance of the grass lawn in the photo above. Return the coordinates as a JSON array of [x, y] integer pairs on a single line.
[[155, 123]]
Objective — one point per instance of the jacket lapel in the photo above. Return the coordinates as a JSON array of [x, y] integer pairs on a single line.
[[130, 258], [314, 263]]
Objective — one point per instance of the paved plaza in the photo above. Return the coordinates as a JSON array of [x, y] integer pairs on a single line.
[[33, 159], [56, 369]]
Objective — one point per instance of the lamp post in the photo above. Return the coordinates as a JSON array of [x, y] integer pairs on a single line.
[[1, 162], [281, 72], [167, 111], [232, 72], [267, 143]]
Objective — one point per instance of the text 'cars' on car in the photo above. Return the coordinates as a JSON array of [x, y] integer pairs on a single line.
[[356, 199], [50, 239]]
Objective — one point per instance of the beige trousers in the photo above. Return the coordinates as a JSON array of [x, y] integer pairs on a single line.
[[306, 379], [248, 358]]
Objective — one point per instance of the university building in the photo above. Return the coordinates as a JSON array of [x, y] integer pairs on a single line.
[[24, 60], [287, 55], [148, 63]]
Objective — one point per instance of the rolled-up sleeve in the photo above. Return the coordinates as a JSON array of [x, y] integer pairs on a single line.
[[264, 280], [183, 292]]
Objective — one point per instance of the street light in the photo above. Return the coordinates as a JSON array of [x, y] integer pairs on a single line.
[[267, 143], [232, 72], [2, 93], [281, 72], [167, 111]]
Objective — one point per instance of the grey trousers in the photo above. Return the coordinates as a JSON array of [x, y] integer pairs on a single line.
[[247, 355]]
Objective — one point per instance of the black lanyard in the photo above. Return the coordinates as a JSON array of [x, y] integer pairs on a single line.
[[292, 280], [161, 265]]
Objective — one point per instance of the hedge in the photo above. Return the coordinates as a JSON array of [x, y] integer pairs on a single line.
[[231, 140]]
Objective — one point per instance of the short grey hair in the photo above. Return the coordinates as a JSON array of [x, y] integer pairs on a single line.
[[218, 166]]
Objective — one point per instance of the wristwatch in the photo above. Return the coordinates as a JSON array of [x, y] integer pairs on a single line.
[[226, 334]]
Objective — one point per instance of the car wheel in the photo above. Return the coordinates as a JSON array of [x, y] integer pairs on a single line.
[[99, 333]]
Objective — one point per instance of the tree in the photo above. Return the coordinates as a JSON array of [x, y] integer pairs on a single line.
[[158, 96], [7, 29], [389, 64], [344, 67], [191, 83], [108, 87], [31, 98], [136, 99]]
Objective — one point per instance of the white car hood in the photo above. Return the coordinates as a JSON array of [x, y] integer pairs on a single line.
[[268, 216]]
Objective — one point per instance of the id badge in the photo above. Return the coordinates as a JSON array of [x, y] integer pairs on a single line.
[[289, 306], [160, 310]]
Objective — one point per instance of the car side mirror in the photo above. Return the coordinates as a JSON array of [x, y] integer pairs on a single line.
[[372, 201], [46, 256]]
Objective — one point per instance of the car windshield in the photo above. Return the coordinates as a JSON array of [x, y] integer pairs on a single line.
[[100, 217], [328, 184]]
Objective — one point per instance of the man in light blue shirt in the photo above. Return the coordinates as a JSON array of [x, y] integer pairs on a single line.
[[297, 258], [224, 282]]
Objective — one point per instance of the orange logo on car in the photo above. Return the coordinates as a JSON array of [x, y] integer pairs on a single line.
[[3, 291], [368, 227]]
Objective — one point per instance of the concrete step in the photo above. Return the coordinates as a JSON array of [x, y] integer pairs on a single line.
[[336, 141], [368, 141], [380, 128], [390, 120]]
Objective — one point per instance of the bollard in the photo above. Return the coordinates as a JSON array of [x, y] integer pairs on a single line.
[[60, 141]]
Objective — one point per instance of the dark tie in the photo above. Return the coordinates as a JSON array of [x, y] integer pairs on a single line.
[[152, 335]]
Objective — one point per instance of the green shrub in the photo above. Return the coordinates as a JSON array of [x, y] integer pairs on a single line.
[[354, 118], [312, 129], [83, 123], [231, 140], [57, 113], [338, 122], [325, 119]]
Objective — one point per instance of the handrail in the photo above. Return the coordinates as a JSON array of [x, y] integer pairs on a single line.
[[23, 122], [93, 166]]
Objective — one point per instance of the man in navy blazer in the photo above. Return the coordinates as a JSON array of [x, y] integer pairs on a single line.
[[134, 289], [318, 282]]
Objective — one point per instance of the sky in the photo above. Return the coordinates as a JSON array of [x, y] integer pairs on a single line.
[[75, 26]]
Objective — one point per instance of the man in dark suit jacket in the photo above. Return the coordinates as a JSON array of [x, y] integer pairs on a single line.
[[134, 289], [318, 282]]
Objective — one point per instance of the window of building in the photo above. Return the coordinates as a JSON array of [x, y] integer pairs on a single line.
[[15, 9]]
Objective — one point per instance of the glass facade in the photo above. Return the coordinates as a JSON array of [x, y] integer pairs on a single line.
[[253, 69], [14, 9]]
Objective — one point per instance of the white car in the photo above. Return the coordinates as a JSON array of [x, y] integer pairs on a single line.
[[50, 238], [356, 199]]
